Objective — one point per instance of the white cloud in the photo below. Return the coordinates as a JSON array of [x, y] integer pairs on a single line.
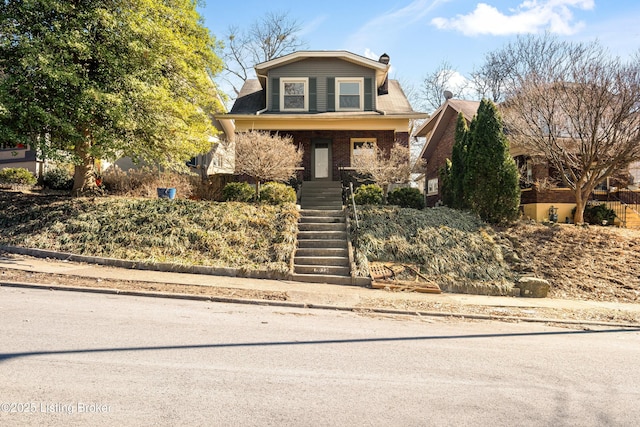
[[531, 16]]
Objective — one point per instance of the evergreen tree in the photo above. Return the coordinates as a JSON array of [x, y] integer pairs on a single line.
[[458, 159], [91, 79], [491, 175], [446, 184]]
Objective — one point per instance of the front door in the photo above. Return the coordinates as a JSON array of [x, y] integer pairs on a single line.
[[321, 159]]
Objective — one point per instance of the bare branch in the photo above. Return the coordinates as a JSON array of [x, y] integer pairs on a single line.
[[575, 105], [273, 35], [437, 82], [266, 157]]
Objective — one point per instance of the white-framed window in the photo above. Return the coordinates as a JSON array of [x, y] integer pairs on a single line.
[[349, 94], [362, 147], [432, 186], [294, 94]]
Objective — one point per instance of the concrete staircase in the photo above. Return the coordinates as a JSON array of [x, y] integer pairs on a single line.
[[323, 252]]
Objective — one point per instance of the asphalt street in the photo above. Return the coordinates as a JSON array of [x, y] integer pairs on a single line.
[[71, 358]]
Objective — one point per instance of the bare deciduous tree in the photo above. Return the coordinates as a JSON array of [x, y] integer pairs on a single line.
[[413, 96], [503, 69], [437, 82], [266, 157], [385, 169], [577, 106], [271, 36]]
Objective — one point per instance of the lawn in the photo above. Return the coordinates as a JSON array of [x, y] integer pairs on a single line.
[[239, 235]]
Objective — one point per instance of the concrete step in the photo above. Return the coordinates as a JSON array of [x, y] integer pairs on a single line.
[[333, 261], [322, 194], [322, 278], [322, 213], [322, 243], [324, 270], [315, 200], [322, 252], [326, 207], [321, 184], [322, 235], [321, 220], [315, 226]]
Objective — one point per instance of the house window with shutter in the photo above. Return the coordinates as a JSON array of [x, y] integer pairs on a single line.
[[349, 94], [294, 94]]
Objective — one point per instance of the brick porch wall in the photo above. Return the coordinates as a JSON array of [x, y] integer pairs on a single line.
[[341, 145], [560, 195]]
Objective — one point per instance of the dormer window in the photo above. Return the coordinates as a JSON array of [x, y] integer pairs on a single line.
[[294, 94], [349, 94]]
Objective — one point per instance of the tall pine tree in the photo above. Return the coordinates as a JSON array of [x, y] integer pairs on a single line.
[[458, 159], [491, 176]]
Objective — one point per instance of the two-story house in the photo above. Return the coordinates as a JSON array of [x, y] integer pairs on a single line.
[[542, 190], [332, 103]]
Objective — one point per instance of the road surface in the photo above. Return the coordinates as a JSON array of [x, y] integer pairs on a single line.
[[87, 359]]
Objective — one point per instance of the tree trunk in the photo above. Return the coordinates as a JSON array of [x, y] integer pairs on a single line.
[[83, 175], [578, 218], [257, 190]]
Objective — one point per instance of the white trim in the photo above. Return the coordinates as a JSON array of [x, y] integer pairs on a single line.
[[342, 54], [285, 80], [360, 81]]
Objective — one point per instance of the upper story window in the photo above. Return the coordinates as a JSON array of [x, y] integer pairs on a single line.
[[349, 94], [294, 94]]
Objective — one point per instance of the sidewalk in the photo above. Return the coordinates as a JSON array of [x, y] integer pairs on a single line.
[[316, 295]]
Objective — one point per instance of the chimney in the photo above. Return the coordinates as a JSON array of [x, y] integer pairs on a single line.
[[384, 88]]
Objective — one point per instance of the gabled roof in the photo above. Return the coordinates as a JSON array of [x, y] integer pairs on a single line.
[[435, 127], [380, 68]]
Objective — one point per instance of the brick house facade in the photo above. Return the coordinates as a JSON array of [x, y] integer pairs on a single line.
[[329, 102], [536, 201]]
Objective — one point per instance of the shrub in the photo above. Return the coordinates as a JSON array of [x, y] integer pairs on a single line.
[[276, 193], [238, 192], [370, 194], [406, 198], [596, 214], [58, 178], [19, 176]]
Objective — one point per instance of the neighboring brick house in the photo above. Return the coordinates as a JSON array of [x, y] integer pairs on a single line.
[[439, 132], [332, 103], [540, 191]]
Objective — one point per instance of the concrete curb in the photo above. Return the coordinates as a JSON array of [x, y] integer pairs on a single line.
[[142, 265], [165, 266], [288, 304]]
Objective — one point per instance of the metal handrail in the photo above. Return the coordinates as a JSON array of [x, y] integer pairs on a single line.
[[355, 211]]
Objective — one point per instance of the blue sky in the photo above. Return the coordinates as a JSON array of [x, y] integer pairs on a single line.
[[419, 35]]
